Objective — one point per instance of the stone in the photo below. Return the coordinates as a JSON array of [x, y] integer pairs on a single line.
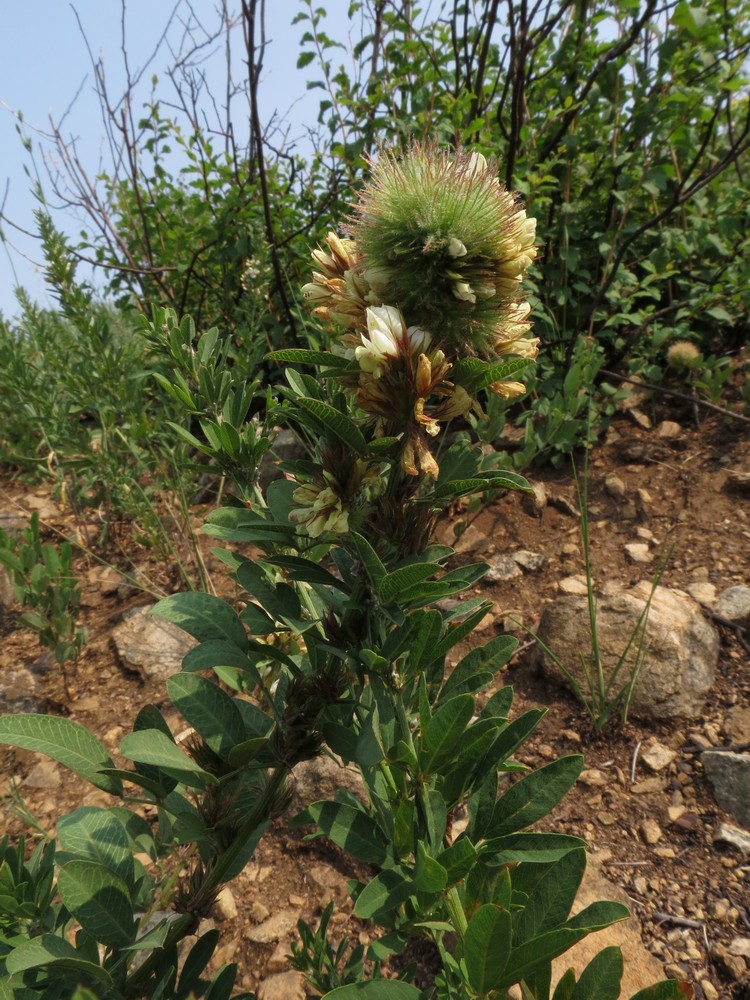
[[729, 775], [641, 968], [328, 881], [532, 562], [614, 486], [573, 585], [535, 502], [737, 482], [45, 774], [275, 927], [640, 418], [668, 429], [738, 724], [153, 647], [680, 648], [656, 756], [320, 778], [651, 831], [502, 568], [283, 986], [259, 912], [225, 906], [740, 946], [649, 786], [734, 605], [638, 552], [7, 594], [702, 592]]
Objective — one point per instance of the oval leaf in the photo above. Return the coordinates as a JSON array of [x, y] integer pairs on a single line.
[[99, 901]]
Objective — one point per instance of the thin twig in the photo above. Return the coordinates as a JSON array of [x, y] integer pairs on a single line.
[[634, 762]]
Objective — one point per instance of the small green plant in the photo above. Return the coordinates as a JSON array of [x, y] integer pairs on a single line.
[[46, 587]]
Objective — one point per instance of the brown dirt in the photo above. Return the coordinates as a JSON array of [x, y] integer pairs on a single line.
[[691, 892]]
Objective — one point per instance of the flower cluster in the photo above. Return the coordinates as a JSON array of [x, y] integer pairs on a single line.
[[429, 273], [326, 505]]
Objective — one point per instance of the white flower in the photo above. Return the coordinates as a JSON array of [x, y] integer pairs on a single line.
[[383, 340], [419, 339], [456, 248]]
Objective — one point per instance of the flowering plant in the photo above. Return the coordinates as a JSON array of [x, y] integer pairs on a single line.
[[344, 650]]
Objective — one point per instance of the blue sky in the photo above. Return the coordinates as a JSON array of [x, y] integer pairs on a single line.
[[44, 63]]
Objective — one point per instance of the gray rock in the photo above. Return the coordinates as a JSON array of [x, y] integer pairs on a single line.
[[153, 647], [532, 562], [681, 648], [501, 568], [734, 605], [7, 594], [729, 774], [614, 486], [320, 778]]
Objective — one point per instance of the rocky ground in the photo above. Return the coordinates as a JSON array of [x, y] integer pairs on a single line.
[[658, 835]]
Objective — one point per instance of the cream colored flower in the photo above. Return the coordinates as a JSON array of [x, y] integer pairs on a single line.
[[320, 510]]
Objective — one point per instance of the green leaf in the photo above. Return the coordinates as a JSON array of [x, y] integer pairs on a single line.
[[486, 946], [305, 357], [525, 959], [565, 986], [97, 835], [474, 374], [441, 736], [554, 894], [531, 798], [388, 890], [203, 616], [375, 989], [599, 915], [349, 828], [370, 560], [50, 950], [600, 980], [216, 653], [151, 746], [534, 848], [476, 669], [400, 580], [99, 901], [211, 712], [429, 874], [64, 741], [335, 421], [458, 859]]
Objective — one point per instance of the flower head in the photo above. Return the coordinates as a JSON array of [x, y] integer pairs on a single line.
[[440, 238], [387, 337], [683, 355]]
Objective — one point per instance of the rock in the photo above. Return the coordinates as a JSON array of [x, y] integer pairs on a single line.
[[19, 689], [702, 592], [740, 946], [656, 756], [733, 965], [573, 585], [45, 774], [153, 647], [614, 486], [276, 926], [7, 594], [225, 906], [728, 834], [283, 986], [328, 881], [535, 502], [259, 912], [320, 778], [729, 774], [738, 724], [734, 605], [501, 568], [681, 648], [668, 429], [651, 831], [640, 418], [737, 482], [649, 786], [532, 562], [638, 552], [641, 968]]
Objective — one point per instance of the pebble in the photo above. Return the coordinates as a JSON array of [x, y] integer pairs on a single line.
[[668, 429], [709, 992], [740, 946], [278, 962], [702, 592], [638, 552], [573, 585], [649, 786], [656, 756], [532, 562], [259, 912], [283, 986], [614, 486], [226, 908], [651, 831], [502, 568], [275, 927], [45, 774]]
